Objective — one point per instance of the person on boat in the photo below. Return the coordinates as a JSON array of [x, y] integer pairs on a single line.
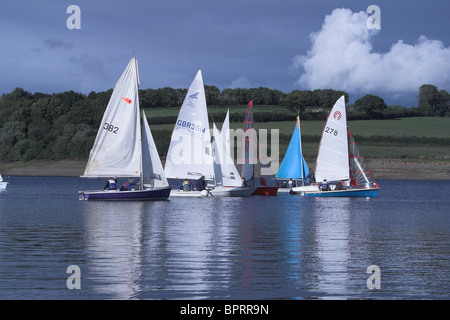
[[111, 184], [291, 183], [339, 186], [127, 185], [201, 184], [186, 186], [325, 185], [244, 182]]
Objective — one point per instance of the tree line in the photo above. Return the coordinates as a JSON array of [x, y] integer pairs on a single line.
[[64, 125]]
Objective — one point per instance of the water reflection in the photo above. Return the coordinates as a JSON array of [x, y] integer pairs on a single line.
[[331, 229], [218, 248], [114, 248]]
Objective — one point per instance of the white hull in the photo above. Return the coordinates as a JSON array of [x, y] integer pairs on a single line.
[[216, 192], [3, 185], [303, 189]]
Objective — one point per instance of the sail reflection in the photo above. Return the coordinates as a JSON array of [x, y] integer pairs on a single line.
[[332, 228], [114, 247]]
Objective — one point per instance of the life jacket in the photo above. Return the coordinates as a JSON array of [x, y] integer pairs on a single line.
[[127, 186], [112, 184], [186, 186]]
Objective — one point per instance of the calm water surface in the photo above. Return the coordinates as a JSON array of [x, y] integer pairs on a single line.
[[283, 247]]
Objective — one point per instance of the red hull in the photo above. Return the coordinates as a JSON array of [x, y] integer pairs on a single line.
[[265, 191]]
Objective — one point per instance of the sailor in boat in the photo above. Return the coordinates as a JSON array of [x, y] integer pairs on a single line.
[[339, 186], [186, 186], [291, 183], [325, 186], [111, 184], [127, 185], [201, 184]]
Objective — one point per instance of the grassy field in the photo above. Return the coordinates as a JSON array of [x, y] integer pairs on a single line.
[[405, 138]]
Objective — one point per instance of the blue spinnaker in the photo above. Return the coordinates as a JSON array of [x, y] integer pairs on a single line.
[[291, 166]]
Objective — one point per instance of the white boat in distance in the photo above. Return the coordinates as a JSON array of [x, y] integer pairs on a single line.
[[3, 184], [191, 154]]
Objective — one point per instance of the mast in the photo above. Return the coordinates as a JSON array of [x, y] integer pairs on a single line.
[[301, 152], [138, 114], [300, 144]]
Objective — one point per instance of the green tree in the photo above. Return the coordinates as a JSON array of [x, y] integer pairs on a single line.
[[372, 105], [301, 100], [328, 97], [432, 102]]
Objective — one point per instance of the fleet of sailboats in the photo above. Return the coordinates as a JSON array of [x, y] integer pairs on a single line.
[[124, 148]]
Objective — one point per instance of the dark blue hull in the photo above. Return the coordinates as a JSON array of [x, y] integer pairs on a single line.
[[139, 195], [345, 193]]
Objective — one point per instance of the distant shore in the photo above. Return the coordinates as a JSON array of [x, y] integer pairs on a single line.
[[383, 169]]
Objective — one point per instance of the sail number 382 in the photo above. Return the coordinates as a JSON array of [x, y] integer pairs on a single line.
[[110, 128], [331, 131]]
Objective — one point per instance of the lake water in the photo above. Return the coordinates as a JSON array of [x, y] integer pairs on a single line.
[[283, 247]]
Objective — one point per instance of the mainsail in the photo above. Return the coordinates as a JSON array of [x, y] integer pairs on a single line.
[[117, 147], [294, 165], [226, 173], [189, 154], [332, 160], [152, 170]]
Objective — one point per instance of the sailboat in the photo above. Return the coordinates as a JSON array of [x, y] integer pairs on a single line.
[[339, 161], [248, 167], [190, 154], [294, 165], [122, 150], [3, 184]]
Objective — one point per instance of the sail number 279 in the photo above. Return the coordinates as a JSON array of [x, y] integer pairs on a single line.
[[331, 131], [110, 128]]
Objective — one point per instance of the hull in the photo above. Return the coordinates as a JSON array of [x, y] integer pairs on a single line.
[[265, 191], [303, 189], [3, 185], [284, 190], [139, 195], [344, 193], [216, 192]]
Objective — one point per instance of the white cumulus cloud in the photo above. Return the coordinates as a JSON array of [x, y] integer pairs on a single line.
[[342, 58]]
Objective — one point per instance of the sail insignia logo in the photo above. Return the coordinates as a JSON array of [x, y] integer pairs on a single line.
[[127, 100], [192, 97], [337, 115]]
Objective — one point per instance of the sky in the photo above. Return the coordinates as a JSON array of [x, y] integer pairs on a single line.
[[283, 44]]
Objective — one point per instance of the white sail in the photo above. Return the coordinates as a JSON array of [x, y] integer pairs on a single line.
[[229, 174], [332, 159], [190, 154], [217, 152], [117, 147], [152, 170]]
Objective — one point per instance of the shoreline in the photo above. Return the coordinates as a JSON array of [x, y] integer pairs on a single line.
[[382, 169]]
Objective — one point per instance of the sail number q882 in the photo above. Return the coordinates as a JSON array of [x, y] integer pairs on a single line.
[[331, 131], [110, 128]]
